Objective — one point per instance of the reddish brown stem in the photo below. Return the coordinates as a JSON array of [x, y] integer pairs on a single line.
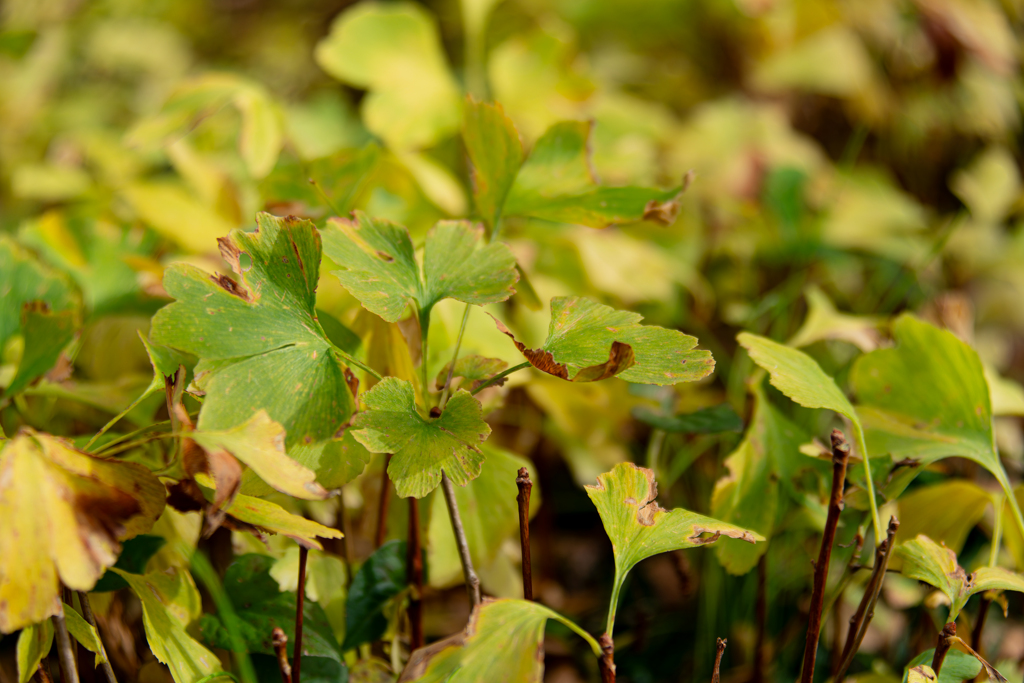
[[280, 640], [300, 606], [384, 504], [525, 486], [414, 569], [607, 661], [720, 644], [979, 625], [43, 672], [866, 610], [942, 646], [840, 457], [761, 617]]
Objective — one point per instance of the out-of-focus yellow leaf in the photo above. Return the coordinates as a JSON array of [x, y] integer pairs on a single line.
[[990, 185], [64, 514], [830, 62], [177, 215], [823, 321]]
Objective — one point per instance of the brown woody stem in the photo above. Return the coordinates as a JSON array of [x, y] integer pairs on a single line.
[[472, 580], [383, 504], [525, 486], [720, 644], [607, 661], [866, 610], [840, 458], [414, 570], [300, 606], [83, 599], [280, 640], [979, 625], [942, 646], [65, 651]]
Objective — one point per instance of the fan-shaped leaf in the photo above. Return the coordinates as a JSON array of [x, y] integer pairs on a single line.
[[588, 341], [380, 268], [64, 514], [420, 447]]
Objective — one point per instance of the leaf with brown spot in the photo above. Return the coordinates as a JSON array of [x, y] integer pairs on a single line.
[[502, 643], [64, 514], [260, 344], [638, 527], [588, 341], [380, 269]]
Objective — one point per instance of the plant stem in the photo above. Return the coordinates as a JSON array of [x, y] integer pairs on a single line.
[[472, 580], [68, 670], [840, 457], [342, 525], [358, 363], [997, 535], [424, 343], [83, 599], [654, 448], [979, 625], [837, 598], [607, 661], [43, 671], [525, 486], [866, 610], [114, 420], [942, 647], [202, 569], [455, 356], [720, 644], [300, 605], [383, 504], [761, 617], [280, 640], [862, 448], [501, 375], [414, 571]]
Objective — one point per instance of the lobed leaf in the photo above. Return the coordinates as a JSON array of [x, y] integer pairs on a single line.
[[64, 514], [495, 154], [379, 266], [588, 341]]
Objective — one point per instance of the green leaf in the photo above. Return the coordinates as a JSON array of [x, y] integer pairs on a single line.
[[588, 341], [495, 153], [378, 580], [84, 632], [936, 565], [260, 606], [945, 512], [490, 516], [638, 527], [38, 303], [259, 443], [135, 554], [713, 420], [799, 377], [393, 51], [169, 603], [34, 643], [258, 339], [957, 666], [927, 399], [502, 642], [380, 269], [420, 447], [557, 183], [475, 369]]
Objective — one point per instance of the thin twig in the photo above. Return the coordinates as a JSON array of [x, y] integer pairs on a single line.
[[837, 599], [414, 570], [866, 610], [472, 580], [83, 598], [500, 376], [720, 644], [300, 605], [280, 640], [840, 457], [382, 504], [979, 624], [43, 672], [525, 486], [761, 617], [68, 670], [455, 357], [607, 661], [942, 646]]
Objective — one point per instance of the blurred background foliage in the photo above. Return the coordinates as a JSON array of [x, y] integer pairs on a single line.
[[846, 155]]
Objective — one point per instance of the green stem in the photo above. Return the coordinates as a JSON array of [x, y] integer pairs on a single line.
[[359, 364], [117, 418], [124, 437], [204, 571], [613, 602], [997, 534], [500, 376], [455, 357], [654, 447], [424, 353], [862, 448], [1012, 500]]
